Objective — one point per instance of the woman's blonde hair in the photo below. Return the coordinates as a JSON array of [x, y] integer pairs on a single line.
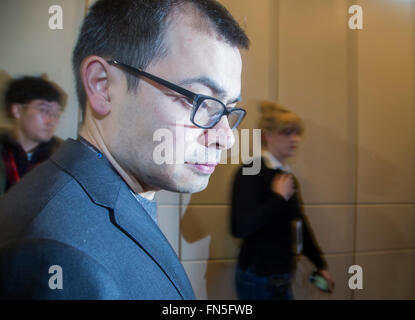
[[276, 118]]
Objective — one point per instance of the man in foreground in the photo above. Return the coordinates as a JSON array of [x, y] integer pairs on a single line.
[[88, 231]]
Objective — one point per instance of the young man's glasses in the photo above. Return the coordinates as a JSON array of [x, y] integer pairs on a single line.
[[45, 110], [207, 111]]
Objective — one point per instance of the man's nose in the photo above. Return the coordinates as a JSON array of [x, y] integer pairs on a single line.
[[220, 135]]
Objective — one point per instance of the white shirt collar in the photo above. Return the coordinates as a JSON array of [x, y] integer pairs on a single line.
[[146, 200], [149, 195], [273, 163]]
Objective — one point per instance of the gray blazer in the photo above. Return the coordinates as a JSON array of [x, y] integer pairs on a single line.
[[74, 212]]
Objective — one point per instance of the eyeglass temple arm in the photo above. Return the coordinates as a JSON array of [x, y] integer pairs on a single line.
[[163, 82]]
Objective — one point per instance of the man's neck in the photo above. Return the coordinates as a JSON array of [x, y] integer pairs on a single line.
[[91, 132], [26, 143]]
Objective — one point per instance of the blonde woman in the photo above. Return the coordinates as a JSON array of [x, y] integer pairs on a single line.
[[267, 214]]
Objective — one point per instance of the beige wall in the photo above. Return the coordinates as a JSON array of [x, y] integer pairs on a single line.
[[355, 92]]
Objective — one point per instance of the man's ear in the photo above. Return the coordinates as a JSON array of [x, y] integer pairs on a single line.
[[94, 74], [16, 110]]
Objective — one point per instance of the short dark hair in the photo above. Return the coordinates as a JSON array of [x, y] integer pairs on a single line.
[[133, 32], [28, 88]]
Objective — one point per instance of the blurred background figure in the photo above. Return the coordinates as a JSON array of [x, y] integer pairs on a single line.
[[267, 214], [34, 106]]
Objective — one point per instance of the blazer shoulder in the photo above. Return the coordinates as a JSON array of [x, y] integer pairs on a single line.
[[25, 201], [49, 269]]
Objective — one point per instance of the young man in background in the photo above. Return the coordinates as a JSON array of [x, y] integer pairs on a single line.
[[34, 105]]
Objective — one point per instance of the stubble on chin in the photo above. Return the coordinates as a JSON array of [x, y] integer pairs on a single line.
[[183, 180]]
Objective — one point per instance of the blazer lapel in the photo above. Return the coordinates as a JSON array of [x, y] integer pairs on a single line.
[[131, 218]]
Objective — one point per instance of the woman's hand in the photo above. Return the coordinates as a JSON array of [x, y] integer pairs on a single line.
[[283, 184], [326, 275]]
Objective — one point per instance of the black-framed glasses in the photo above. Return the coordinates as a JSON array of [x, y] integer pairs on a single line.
[[207, 111]]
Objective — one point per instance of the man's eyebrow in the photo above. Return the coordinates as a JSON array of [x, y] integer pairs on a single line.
[[217, 90], [239, 99]]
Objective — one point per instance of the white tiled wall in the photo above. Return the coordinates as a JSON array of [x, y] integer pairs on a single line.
[[387, 275]]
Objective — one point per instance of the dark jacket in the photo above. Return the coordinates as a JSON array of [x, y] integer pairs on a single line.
[[74, 211], [42, 152], [264, 220]]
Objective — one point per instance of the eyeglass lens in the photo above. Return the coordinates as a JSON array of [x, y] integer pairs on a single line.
[[209, 112]]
